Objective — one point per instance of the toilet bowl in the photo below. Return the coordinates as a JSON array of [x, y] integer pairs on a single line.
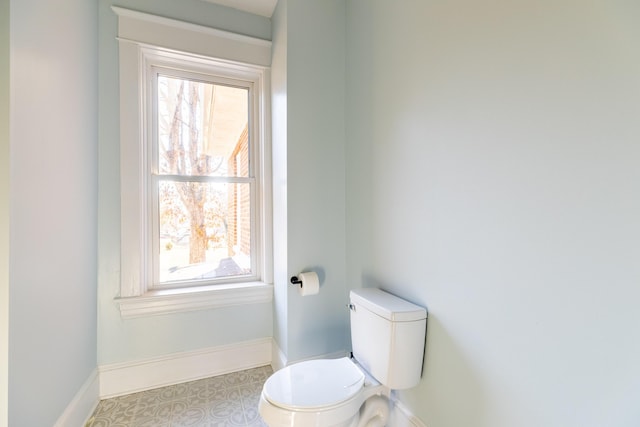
[[387, 335], [324, 393]]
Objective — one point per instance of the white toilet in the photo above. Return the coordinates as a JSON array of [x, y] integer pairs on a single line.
[[387, 336]]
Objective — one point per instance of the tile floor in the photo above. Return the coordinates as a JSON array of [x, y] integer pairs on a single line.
[[226, 400]]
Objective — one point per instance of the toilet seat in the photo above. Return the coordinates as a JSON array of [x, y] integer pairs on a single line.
[[314, 384]]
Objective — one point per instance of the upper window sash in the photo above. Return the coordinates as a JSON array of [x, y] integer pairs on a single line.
[[154, 74]]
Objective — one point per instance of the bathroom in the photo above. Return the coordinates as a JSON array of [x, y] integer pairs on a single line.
[[474, 157]]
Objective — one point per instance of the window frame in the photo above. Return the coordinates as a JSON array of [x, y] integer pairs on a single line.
[[224, 56], [219, 75]]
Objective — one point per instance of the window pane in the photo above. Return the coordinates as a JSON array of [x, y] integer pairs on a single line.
[[201, 128], [205, 230]]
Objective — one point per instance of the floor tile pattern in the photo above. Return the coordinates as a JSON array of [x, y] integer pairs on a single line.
[[226, 400]]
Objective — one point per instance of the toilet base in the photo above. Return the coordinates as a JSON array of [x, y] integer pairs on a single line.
[[374, 412], [370, 412]]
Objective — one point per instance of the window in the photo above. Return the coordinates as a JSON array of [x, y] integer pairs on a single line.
[[202, 182], [195, 172]]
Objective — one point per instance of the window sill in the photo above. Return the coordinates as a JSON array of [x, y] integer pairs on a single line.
[[171, 301]]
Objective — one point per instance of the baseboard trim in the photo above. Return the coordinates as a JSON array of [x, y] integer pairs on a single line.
[[130, 377], [83, 403], [401, 416], [278, 359]]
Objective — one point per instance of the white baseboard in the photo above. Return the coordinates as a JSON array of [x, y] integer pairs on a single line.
[[124, 378], [400, 415], [278, 359], [82, 405]]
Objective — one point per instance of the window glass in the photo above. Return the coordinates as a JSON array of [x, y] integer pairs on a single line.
[[200, 126], [203, 203]]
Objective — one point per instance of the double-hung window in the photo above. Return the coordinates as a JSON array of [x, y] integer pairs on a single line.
[[202, 182], [194, 168]]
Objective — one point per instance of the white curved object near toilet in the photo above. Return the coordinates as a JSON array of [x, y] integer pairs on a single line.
[[388, 336]]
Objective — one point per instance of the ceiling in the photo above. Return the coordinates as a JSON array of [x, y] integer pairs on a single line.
[[257, 7]]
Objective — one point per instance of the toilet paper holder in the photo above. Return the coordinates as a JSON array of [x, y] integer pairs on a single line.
[[307, 283]]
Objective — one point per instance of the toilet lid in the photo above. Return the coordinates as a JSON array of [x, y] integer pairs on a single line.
[[314, 384]]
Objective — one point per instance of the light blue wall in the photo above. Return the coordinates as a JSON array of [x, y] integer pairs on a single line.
[[53, 205], [309, 194], [4, 210], [492, 176], [314, 33], [279, 167], [126, 340]]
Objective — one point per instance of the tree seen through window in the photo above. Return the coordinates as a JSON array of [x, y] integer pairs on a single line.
[[204, 190]]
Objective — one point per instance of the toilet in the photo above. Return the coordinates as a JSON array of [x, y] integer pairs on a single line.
[[387, 338]]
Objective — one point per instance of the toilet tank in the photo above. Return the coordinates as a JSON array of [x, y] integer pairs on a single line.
[[388, 336]]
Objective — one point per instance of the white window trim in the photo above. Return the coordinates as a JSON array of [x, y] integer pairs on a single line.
[[143, 38]]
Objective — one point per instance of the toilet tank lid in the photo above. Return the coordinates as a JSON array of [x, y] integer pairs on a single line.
[[387, 305]]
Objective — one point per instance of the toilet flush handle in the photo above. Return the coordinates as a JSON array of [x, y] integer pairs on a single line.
[[351, 307]]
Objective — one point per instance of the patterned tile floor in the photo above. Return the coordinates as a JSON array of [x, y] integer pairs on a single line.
[[226, 400]]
